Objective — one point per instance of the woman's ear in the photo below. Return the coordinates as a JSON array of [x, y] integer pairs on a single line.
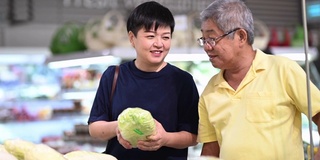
[[131, 36]]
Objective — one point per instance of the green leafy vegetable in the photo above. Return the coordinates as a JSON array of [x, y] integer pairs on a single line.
[[18, 147], [136, 124]]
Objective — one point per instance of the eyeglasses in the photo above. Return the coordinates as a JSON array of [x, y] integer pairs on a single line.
[[213, 41]]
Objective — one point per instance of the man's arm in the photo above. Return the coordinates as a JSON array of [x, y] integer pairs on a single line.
[[316, 120], [211, 149]]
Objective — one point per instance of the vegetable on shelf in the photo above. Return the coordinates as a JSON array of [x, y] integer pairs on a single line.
[[86, 155], [18, 149]]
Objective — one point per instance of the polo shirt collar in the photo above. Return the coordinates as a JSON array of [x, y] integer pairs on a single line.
[[258, 64]]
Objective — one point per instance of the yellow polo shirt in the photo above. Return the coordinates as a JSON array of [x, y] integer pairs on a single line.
[[261, 120]]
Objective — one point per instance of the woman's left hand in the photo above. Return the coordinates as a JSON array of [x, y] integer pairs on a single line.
[[155, 141]]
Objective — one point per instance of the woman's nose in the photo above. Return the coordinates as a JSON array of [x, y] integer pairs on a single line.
[[158, 42]]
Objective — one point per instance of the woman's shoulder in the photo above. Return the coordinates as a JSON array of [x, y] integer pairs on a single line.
[[109, 71]]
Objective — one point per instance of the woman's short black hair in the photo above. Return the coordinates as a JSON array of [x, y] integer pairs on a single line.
[[148, 14]]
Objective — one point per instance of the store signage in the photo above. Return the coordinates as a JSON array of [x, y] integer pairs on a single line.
[[91, 4], [313, 12], [176, 5]]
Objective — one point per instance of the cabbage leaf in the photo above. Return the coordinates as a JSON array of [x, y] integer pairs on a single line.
[[136, 124]]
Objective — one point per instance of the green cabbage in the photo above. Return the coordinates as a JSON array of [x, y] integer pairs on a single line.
[[18, 147], [43, 152], [88, 155], [136, 124]]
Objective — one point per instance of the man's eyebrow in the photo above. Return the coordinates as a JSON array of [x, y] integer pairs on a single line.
[[208, 31]]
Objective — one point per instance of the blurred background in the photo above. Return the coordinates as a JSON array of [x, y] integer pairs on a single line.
[[53, 52]]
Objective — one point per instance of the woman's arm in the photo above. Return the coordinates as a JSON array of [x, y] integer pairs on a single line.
[[177, 140], [181, 139], [103, 130]]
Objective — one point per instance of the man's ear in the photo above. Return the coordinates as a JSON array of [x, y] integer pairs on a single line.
[[243, 35]]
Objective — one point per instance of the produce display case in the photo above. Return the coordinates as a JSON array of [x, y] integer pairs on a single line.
[[57, 115]]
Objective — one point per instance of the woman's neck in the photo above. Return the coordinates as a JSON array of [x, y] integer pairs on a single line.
[[150, 67]]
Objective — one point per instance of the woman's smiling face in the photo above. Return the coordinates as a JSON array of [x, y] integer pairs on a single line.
[[151, 46]]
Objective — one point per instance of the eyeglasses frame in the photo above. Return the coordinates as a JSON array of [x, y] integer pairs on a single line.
[[213, 41]]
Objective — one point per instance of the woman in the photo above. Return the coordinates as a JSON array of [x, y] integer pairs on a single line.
[[150, 83]]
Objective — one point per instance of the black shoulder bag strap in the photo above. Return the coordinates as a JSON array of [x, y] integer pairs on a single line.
[[115, 77]]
